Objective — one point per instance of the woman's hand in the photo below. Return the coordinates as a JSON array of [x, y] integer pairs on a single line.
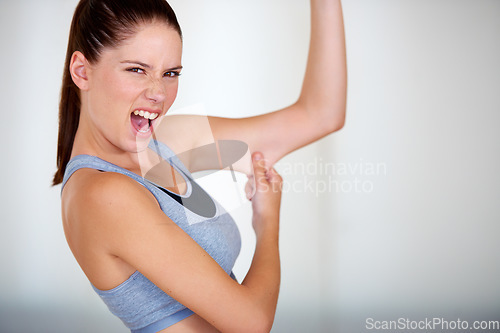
[[264, 190]]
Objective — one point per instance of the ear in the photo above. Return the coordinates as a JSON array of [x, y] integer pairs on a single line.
[[79, 67]]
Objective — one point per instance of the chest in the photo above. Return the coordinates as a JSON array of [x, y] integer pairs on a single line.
[[166, 176]]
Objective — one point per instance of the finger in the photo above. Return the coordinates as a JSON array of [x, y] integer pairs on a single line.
[[250, 188], [275, 179], [259, 170], [272, 174]]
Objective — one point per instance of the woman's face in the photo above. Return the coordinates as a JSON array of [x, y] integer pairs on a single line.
[[132, 86]]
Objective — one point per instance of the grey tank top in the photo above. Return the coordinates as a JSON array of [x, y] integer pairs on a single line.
[[140, 304]]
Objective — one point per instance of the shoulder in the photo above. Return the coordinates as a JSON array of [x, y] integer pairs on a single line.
[[97, 199], [91, 186]]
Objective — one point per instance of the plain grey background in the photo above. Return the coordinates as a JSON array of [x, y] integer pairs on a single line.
[[420, 239]]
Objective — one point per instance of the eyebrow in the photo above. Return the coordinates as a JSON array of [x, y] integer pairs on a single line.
[[146, 65]]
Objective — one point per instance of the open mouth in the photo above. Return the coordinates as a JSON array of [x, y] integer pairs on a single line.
[[142, 120]]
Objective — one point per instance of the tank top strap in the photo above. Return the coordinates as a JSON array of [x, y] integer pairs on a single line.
[[93, 162]]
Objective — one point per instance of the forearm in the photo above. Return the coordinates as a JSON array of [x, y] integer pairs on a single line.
[[325, 83], [263, 277]]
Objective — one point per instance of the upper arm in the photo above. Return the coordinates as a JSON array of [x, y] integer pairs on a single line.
[[136, 230], [277, 133]]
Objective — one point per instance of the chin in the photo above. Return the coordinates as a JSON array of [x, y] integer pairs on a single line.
[[141, 145], [135, 145]]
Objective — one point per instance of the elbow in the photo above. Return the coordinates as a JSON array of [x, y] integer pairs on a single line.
[[333, 124], [263, 323], [268, 325], [338, 124], [328, 118], [252, 322], [259, 321]]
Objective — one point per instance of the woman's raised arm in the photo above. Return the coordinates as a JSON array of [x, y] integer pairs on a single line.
[[320, 108]]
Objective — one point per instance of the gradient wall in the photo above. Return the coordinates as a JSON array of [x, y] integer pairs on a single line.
[[395, 216]]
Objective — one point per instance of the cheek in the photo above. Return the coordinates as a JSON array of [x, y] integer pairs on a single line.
[[120, 88], [171, 94], [110, 98], [115, 92]]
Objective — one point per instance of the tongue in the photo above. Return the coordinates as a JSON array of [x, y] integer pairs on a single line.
[[140, 123]]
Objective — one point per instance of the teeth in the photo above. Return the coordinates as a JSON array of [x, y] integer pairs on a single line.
[[146, 114]]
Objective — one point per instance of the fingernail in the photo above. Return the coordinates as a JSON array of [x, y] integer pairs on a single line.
[[257, 156]]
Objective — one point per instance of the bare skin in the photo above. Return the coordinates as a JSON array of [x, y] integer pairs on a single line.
[[114, 226]]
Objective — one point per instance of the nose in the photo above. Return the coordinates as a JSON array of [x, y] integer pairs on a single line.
[[156, 92]]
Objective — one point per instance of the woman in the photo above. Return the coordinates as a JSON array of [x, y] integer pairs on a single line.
[[159, 263]]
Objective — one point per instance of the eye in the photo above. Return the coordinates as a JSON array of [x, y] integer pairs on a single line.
[[172, 74], [135, 70]]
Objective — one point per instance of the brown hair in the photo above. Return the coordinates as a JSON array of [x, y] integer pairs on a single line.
[[98, 24]]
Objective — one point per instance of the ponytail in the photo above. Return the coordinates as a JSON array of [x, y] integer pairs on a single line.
[[69, 117]]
